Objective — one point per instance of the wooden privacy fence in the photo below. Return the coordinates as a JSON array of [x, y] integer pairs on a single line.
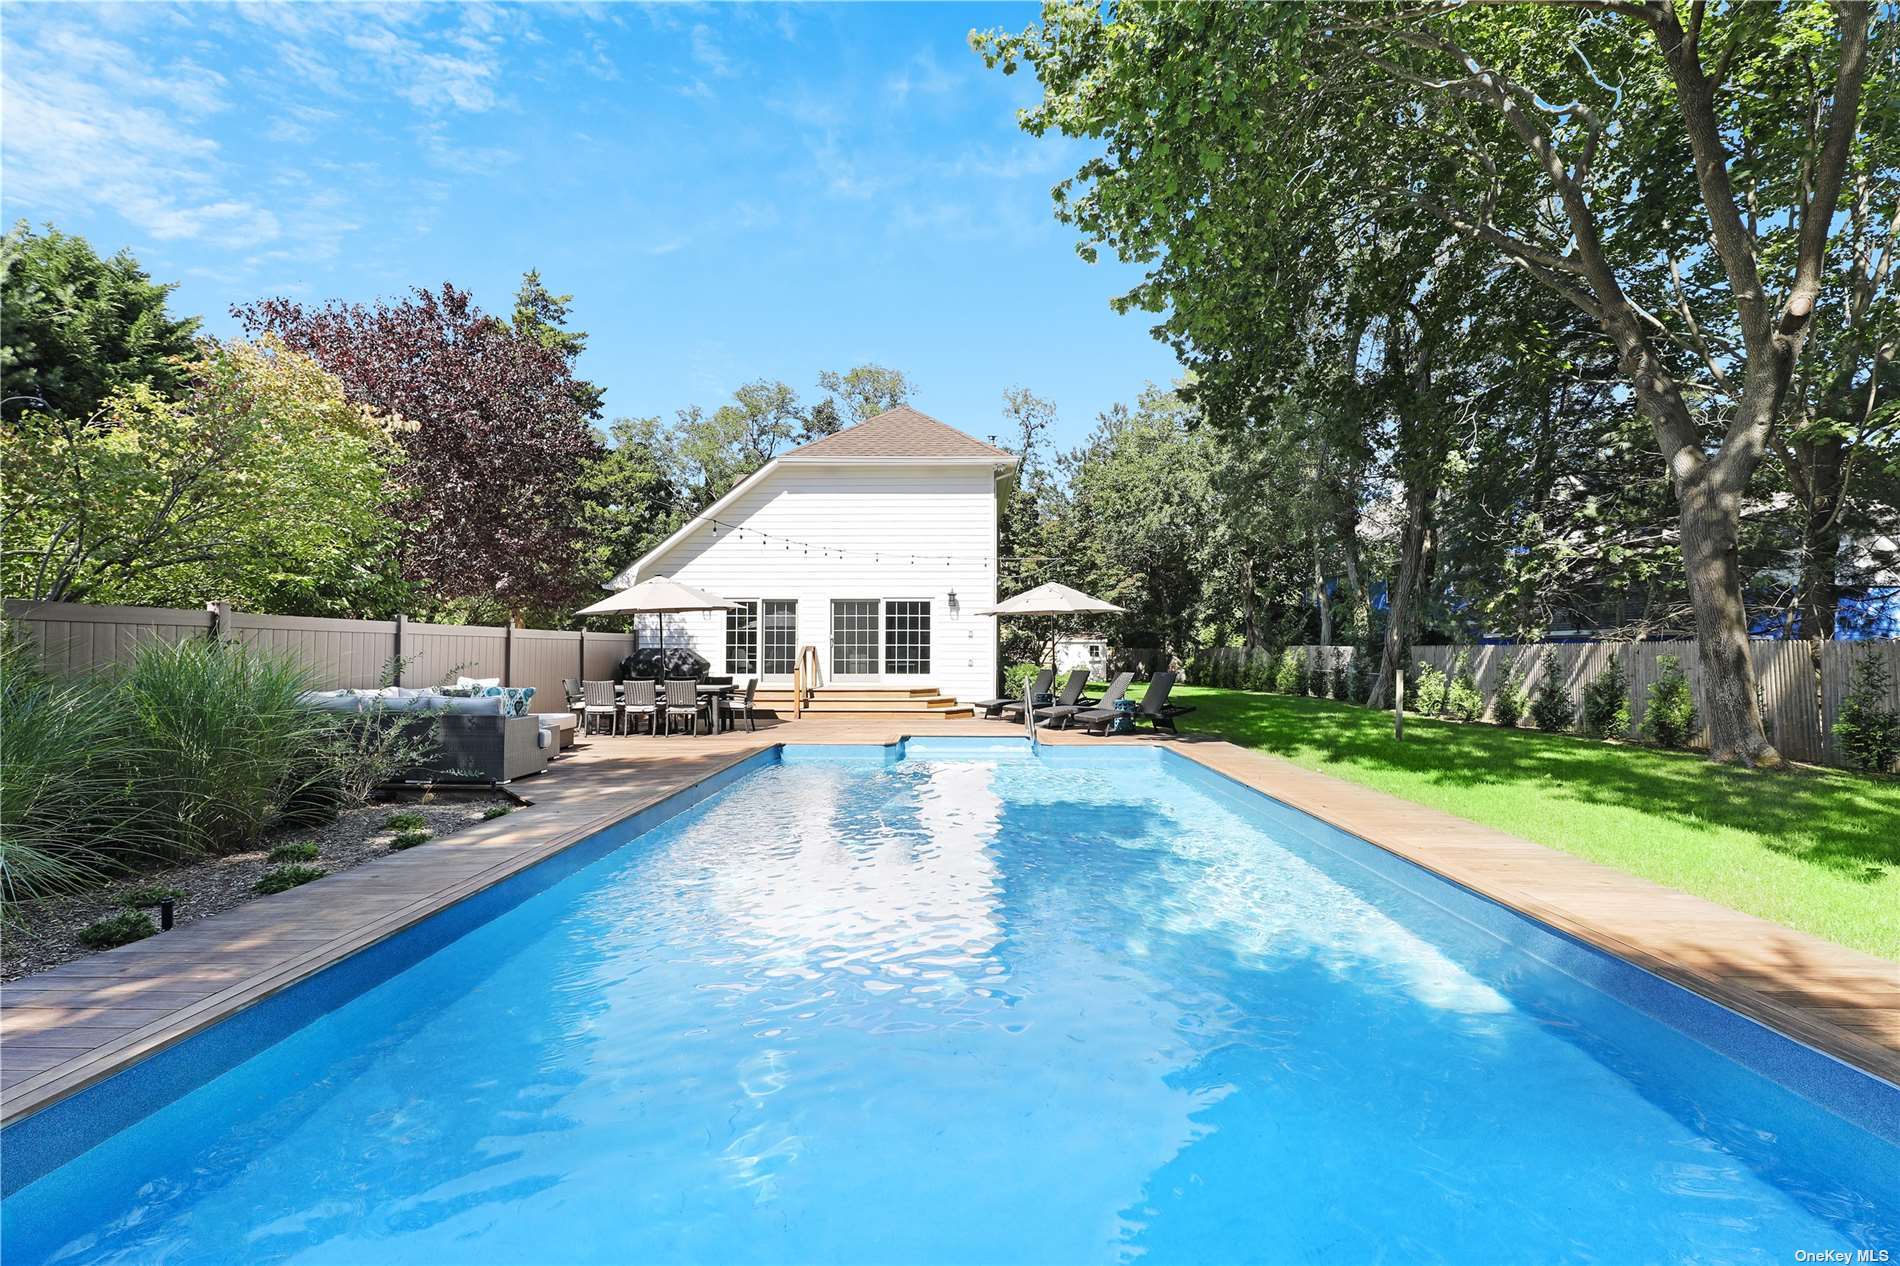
[[1803, 684], [75, 638]]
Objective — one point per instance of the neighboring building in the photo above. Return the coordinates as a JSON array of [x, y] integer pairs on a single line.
[[1083, 650], [874, 545]]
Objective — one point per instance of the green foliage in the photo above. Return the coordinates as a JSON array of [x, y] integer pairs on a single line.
[[410, 838], [406, 821], [304, 851], [1867, 730], [1509, 705], [1341, 681], [223, 740], [1552, 708], [1606, 702], [1254, 669], [494, 811], [1425, 692], [76, 329], [284, 878], [69, 811], [1669, 718], [1017, 677], [1289, 676], [1463, 700], [138, 898], [362, 751], [866, 391], [116, 929], [257, 483], [1361, 676]]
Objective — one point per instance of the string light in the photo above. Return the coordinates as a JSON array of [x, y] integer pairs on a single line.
[[765, 539]]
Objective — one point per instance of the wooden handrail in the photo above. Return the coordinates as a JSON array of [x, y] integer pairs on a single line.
[[802, 685]]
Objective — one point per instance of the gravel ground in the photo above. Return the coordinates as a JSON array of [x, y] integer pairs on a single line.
[[47, 932]]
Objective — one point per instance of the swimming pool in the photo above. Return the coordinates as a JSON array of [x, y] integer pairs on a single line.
[[954, 1002]]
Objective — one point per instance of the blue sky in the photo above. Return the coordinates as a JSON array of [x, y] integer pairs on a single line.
[[729, 192]]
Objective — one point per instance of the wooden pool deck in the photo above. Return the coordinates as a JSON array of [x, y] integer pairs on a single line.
[[66, 1028]]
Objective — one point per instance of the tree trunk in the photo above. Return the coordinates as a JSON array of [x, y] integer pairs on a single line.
[[1818, 601], [1399, 610], [1249, 607], [1325, 606], [1710, 521]]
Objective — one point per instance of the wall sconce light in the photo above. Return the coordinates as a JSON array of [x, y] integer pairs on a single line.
[[954, 605]]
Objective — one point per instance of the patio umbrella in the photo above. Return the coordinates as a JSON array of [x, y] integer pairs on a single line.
[[661, 596], [658, 595], [1053, 600]]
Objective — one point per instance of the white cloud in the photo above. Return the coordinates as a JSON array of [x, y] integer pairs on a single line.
[[923, 76], [708, 53]]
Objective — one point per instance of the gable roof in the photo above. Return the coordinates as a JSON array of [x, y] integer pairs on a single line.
[[896, 435]]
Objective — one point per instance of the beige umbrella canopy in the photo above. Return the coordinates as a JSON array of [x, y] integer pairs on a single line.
[[658, 595], [1053, 600]]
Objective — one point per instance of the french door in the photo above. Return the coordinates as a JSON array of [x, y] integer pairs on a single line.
[[762, 637], [879, 637]]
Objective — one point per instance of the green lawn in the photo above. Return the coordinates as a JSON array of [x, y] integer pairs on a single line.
[[1816, 850]]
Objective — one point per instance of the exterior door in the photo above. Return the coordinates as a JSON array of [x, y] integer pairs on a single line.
[[778, 640], [854, 639]]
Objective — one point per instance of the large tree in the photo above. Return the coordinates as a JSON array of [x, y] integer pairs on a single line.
[[867, 390], [259, 484], [75, 328], [497, 445], [1673, 173]]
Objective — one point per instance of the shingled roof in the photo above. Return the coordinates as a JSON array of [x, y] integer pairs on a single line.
[[899, 433]]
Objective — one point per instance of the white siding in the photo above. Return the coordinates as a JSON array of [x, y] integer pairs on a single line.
[[895, 525]]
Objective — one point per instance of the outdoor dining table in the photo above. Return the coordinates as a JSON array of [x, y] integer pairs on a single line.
[[714, 695]]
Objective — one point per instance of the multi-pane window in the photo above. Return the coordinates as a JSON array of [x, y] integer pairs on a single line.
[[742, 638], [906, 637], [854, 637], [779, 618]]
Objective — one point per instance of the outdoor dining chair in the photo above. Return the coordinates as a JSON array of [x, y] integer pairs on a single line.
[[597, 700], [682, 700], [642, 700]]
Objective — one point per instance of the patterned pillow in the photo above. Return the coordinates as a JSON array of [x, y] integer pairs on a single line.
[[518, 698]]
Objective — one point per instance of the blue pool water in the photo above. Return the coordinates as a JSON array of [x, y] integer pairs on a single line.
[[1073, 1009]]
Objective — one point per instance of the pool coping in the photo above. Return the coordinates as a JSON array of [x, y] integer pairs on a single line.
[[231, 965]]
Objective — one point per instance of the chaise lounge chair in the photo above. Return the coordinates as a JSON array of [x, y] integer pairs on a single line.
[[994, 707], [1061, 717], [1155, 709], [1071, 692]]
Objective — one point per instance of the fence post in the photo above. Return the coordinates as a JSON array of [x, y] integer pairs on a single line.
[[508, 653], [220, 619], [580, 667], [395, 658]]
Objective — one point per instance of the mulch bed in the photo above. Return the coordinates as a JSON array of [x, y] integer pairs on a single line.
[[47, 932]]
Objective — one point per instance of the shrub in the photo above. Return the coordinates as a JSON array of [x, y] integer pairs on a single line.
[[1552, 709], [1867, 731], [1289, 675], [285, 878], [68, 815], [224, 741], [116, 929], [494, 811], [1425, 692], [1362, 676], [146, 895], [1606, 702], [362, 751], [1463, 699], [1507, 709], [410, 838], [407, 821], [1669, 718], [1341, 684], [301, 852], [1018, 676]]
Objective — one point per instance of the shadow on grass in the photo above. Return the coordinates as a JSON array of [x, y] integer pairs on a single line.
[[1845, 823]]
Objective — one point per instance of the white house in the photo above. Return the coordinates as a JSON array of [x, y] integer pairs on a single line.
[[875, 546]]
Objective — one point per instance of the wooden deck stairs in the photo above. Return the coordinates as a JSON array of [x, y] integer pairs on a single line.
[[833, 701]]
